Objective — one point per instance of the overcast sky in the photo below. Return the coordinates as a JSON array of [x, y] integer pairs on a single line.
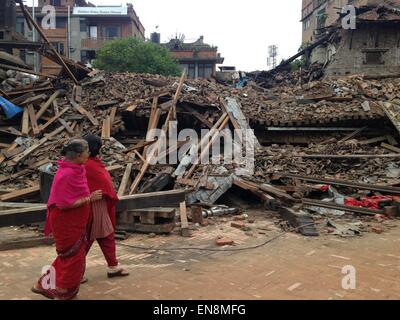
[[242, 29]]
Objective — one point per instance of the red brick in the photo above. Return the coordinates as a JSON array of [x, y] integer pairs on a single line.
[[377, 230], [238, 225], [224, 242], [239, 218]]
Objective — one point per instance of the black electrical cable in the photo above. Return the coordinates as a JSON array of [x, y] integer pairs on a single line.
[[215, 250]]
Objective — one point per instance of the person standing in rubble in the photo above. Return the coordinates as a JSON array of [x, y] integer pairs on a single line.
[[102, 221], [67, 219]]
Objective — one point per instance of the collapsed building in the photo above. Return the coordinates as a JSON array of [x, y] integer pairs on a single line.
[[371, 48], [322, 146]]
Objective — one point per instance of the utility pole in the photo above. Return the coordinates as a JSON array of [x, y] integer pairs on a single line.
[[272, 55]]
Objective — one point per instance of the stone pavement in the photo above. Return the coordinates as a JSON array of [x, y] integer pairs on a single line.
[[291, 267]]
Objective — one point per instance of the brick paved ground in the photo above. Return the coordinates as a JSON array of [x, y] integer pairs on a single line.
[[292, 267]]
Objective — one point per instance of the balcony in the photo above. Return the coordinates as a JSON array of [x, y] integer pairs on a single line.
[[94, 43]]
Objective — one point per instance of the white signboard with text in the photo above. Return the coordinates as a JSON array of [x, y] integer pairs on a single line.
[[111, 11]]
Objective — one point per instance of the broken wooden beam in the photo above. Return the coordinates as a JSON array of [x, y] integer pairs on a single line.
[[390, 147], [125, 180], [47, 104], [184, 220], [20, 193], [149, 200]]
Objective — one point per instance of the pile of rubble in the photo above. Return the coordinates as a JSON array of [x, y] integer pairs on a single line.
[[123, 108]]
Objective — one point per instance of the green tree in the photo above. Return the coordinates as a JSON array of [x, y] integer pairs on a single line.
[[136, 55]]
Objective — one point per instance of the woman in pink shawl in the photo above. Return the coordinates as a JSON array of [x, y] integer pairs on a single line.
[[67, 218]]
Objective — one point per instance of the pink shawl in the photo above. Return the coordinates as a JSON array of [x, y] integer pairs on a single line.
[[69, 185]]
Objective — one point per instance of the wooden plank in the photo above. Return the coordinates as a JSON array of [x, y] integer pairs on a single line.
[[3, 94], [139, 156], [77, 93], [56, 107], [132, 108], [177, 93], [184, 220], [21, 216], [151, 130], [194, 183], [113, 168], [10, 154], [25, 171], [207, 147], [4, 145], [164, 228], [13, 146], [186, 161], [107, 128], [148, 218], [140, 145], [166, 213], [25, 122], [352, 135], [40, 97], [113, 112], [20, 193], [66, 126], [84, 112], [26, 243], [20, 92], [348, 156], [390, 147], [373, 140], [107, 103], [8, 67], [125, 180], [52, 120], [17, 205], [151, 157], [150, 200], [47, 104], [32, 116], [28, 151]]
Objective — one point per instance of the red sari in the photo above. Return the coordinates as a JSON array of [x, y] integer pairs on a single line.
[[99, 179], [69, 230]]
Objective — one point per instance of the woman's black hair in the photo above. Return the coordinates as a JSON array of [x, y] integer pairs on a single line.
[[95, 144], [74, 148]]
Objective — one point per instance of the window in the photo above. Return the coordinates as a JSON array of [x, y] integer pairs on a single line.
[[205, 70], [192, 71], [321, 19], [55, 3], [59, 47], [20, 25], [61, 23], [112, 32], [83, 25], [374, 57], [306, 24]]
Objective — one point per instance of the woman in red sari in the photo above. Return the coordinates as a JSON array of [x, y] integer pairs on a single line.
[[102, 219], [67, 218]]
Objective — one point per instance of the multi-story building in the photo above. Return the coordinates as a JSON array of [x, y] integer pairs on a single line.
[[80, 29], [198, 58], [316, 15], [371, 48]]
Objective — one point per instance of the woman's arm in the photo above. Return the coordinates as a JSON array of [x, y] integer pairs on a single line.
[[77, 204], [95, 196]]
